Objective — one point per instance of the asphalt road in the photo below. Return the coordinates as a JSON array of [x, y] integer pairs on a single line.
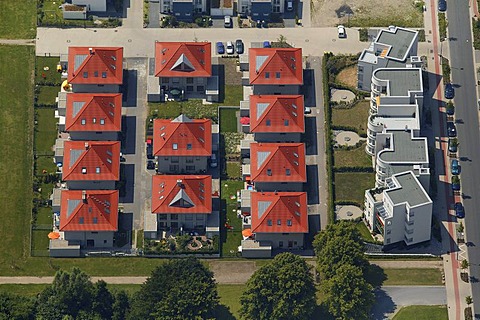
[[463, 68]]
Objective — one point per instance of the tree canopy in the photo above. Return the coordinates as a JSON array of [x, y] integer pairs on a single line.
[[348, 295], [177, 289], [282, 289], [340, 243], [15, 307]]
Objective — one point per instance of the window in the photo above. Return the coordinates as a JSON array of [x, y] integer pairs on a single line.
[[279, 222], [289, 222], [269, 172], [190, 168], [360, 68], [165, 80], [280, 244], [389, 231], [81, 220], [104, 241], [84, 170], [84, 122], [85, 74], [175, 159], [269, 222], [200, 88], [189, 88], [189, 80], [104, 74], [174, 216], [102, 121], [286, 123], [109, 160], [189, 160], [95, 74], [277, 75], [94, 120], [162, 217], [268, 123], [174, 225], [287, 172], [189, 146], [267, 75], [189, 217], [174, 168], [175, 146], [95, 220], [97, 170]]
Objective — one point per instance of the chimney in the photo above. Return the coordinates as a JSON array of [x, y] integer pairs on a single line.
[[91, 50], [86, 145], [180, 183], [84, 196]]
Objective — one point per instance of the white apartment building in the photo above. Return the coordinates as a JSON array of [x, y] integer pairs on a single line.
[[401, 211]]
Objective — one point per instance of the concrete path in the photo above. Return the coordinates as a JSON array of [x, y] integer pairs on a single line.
[[20, 42]]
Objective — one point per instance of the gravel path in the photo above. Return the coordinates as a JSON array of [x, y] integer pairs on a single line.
[[21, 42]]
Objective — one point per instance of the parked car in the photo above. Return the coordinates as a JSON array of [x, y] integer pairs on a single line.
[[220, 48], [459, 210], [455, 183], [450, 109], [213, 160], [455, 167], [289, 5], [307, 110], [227, 22], [341, 32], [267, 44], [452, 145], [239, 46], [150, 149], [449, 91], [150, 165], [230, 48], [442, 5], [451, 129]]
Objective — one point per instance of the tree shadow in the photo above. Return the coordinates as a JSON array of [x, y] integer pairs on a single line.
[[223, 312], [321, 312], [375, 275]]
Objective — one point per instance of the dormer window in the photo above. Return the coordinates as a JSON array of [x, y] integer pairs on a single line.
[[83, 122], [95, 220], [175, 146], [286, 123], [268, 123], [279, 222], [85, 74], [104, 74], [189, 146], [81, 220], [97, 170], [289, 222], [269, 172], [287, 172], [267, 75], [277, 75], [269, 222], [102, 121], [95, 74], [84, 170]]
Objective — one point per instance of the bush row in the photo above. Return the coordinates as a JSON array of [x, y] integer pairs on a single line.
[[353, 169]]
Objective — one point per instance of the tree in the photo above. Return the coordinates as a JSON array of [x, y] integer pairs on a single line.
[[468, 300], [464, 264], [282, 289], [177, 289], [120, 306], [339, 244], [69, 294], [16, 307], [102, 300], [348, 295]]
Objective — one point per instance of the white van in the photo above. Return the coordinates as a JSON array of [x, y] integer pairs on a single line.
[[228, 22], [341, 32]]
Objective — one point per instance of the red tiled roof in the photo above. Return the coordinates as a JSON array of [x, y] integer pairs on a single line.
[[93, 112], [183, 59], [182, 136], [91, 160], [278, 162], [277, 66], [277, 113], [182, 194], [101, 65], [89, 210], [279, 212]]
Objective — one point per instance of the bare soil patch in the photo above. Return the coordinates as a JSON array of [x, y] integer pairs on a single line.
[[367, 13], [348, 76]]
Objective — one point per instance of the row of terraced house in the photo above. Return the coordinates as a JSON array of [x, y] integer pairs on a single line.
[[399, 208]]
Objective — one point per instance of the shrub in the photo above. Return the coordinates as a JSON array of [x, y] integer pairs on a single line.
[[363, 34]]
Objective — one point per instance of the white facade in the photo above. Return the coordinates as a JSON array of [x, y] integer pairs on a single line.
[[92, 5], [400, 212], [90, 239], [199, 6]]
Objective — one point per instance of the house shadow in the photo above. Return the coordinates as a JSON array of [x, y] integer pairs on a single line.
[[129, 134], [310, 136], [123, 237], [311, 186], [219, 71], [308, 88], [126, 183], [129, 88]]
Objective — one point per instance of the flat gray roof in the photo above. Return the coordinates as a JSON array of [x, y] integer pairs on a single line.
[[410, 191], [400, 41], [406, 149], [401, 81]]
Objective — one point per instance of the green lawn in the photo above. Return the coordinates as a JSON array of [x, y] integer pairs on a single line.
[[233, 95], [44, 216], [52, 15], [40, 240], [47, 94], [412, 276], [364, 232], [355, 117], [233, 236], [46, 130], [34, 289], [47, 76], [234, 170], [16, 130], [230, 298], [352, 158], [351, 186], [46, 163], [422, 313], [18, 20], [192, 108], [228, 119]]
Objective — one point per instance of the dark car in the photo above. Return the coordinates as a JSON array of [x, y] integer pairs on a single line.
[[455, 183], [150, 149], [449, 91], [452, 145], [455, 167], [150, 165], [442, 5], [459, 210], [220, 48], [451, 130], [239, 46], [450, 109]]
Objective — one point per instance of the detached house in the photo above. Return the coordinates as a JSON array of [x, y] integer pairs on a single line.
[[182, 145], [91, 116], [183, 10], [276, 166], [183, 70], [274, 70], [95, 69], [278, 220], [91, 164], [274, 118], [180, 203]]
